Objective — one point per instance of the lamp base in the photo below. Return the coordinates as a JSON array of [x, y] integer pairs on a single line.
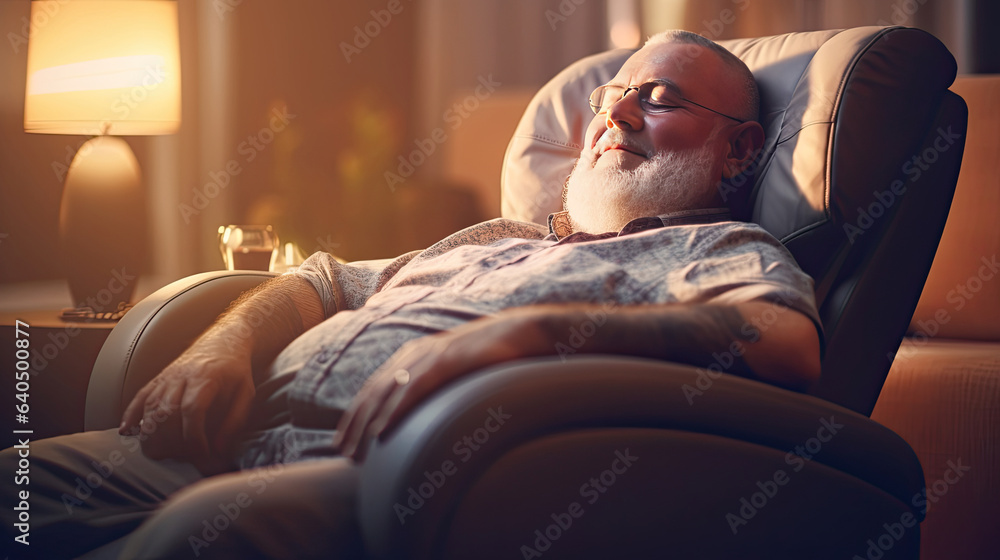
[[102, 224]]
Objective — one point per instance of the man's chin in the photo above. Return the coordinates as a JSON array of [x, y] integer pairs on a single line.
[[619, 160]]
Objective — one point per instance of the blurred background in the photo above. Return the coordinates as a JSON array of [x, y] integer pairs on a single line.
[[367, 132]]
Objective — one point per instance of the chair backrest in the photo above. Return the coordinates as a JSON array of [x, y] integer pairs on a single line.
[[862, 150]]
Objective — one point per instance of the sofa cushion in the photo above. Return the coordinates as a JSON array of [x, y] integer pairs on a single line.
[[943, 398]]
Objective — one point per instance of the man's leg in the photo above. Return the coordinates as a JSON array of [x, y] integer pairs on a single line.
[[85, 490], [300, 510]]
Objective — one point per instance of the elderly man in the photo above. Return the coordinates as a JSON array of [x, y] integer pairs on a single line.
[[339, 353]]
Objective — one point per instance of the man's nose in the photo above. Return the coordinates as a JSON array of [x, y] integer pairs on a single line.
[[626, 113]]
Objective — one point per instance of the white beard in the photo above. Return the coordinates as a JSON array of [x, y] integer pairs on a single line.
[[605, 199]]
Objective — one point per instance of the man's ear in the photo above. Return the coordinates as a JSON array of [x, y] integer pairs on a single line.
[[745, 142]]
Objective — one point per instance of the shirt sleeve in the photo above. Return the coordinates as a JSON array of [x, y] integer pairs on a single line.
[[745, 263], [343, 286]]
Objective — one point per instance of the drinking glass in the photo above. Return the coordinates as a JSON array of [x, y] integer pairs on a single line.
[[248, 247]]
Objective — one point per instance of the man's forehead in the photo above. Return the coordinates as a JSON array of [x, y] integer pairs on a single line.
[[672, 61]]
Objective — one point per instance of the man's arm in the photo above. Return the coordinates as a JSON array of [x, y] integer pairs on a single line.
[[193, 407], [759, 339]]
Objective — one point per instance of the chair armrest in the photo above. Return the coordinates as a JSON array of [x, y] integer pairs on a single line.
[[154, 332], [549, 410]]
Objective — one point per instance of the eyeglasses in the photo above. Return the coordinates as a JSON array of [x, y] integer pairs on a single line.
[[657, 96]]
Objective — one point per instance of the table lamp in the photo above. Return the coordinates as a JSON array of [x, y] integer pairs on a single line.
[[103, 68]]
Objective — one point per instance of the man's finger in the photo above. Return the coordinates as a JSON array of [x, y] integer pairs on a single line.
[[354, 424], [395, 409], [160, 421], [407, 396], [350, 416], [357, 427], [134, 411], [356, 410], [430, 373]]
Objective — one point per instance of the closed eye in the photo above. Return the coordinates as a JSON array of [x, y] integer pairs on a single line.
[[653, 106]]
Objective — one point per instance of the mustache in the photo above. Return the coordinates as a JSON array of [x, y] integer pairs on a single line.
[[615, 136]]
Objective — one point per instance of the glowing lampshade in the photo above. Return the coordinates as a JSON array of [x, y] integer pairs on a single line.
[[103, 67]]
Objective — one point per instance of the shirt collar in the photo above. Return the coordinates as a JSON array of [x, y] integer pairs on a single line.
[[560, 226]]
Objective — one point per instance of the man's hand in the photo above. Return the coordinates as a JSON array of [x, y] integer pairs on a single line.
[[783, 350], [192, 409], [422, 366], [195, 406]]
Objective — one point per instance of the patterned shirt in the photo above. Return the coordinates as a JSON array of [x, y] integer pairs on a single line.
[[374, 307]]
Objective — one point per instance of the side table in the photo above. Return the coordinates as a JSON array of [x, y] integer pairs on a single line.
[[62, 355]]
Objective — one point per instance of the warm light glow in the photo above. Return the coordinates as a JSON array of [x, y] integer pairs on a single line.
[[97, 66], [660, 15], [625, 35], [106, 73], [623, 24]]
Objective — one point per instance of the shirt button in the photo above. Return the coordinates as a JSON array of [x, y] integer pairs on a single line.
[[324, 356]]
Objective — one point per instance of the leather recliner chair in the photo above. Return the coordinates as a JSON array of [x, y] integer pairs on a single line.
[[603, 456]]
